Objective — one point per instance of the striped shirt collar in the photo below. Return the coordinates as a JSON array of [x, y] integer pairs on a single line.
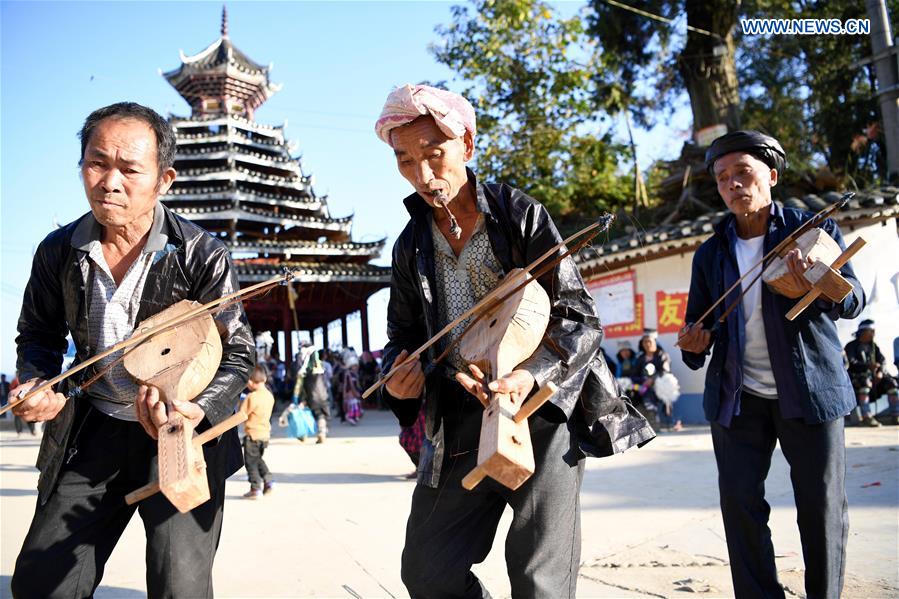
[[89, 230]]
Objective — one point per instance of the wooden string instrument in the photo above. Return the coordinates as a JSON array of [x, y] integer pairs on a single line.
[[779, 251], [180, 362], [501, 294], [206, 436], [178, 351], [827, 281], [144, 334], [507, 335]]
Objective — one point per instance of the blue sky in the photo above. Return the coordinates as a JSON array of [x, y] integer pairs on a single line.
[[337, 62]]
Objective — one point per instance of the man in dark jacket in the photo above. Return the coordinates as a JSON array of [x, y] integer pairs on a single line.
[[97, 278], [452, 253], [869, 377], [770, 379]]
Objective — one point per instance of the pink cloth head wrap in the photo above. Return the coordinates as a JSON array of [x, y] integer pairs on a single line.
[[452, 113]]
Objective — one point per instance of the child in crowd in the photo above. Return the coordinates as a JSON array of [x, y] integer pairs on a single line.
[[352, 397], [257, 406]]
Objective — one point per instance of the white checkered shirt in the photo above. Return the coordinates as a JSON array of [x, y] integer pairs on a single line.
[[462, 282], [113, 310]]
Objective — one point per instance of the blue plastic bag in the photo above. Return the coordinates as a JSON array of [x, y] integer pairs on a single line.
[[300, 422]]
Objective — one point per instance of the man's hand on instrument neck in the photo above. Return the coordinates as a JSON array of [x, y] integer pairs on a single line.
[[517, 383], [39, 408], [151, 411], [797, 265], [694, 339]]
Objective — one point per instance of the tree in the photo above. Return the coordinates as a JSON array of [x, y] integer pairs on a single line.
[[544, 85], [530, 76], [806, 90], [810, 92], [640, 70]]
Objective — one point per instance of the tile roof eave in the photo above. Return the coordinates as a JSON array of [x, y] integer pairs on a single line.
[[318, 273], [626, 251]]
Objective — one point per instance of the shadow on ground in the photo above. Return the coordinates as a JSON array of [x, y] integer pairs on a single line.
[[7, 492], [660, 483]]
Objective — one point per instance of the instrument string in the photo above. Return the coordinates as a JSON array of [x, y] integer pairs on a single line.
[[778, 251], [214, 311]]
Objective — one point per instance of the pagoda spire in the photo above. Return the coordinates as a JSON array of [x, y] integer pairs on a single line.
[[221, 79]]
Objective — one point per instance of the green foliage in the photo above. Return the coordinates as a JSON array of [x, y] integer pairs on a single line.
[[807, 91], [530, 79], [637, 69], [543, 86]]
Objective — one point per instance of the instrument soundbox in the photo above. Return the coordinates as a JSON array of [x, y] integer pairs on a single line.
[[826, 280], [497, 343], [180, 362], [815, 244]]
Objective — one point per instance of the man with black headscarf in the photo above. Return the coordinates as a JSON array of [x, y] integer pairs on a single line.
[[869, 377], [770, 379]]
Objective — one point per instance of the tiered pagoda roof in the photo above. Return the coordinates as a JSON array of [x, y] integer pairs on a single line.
[[222, 79], [238, 180]]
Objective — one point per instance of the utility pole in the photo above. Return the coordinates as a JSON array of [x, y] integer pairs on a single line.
[[886, 64]]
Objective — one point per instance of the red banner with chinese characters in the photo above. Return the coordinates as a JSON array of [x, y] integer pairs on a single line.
[[671, 310], [630, 329]]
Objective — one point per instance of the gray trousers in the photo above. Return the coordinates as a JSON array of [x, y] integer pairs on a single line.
[[449, 528], [74, 532], [817, 457]]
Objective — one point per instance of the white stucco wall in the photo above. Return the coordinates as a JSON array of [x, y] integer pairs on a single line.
[[877, 267]]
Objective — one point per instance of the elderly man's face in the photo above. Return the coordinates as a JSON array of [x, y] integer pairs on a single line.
[[430, 160], [120, 171], [744, 182]]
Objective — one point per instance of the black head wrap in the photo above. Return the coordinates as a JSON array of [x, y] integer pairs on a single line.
[[764, 147]]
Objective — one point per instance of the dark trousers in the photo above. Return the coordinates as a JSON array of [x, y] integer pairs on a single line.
[[414, 456], [321, 411], [73, 534], [257, 469], [20, 425], [449, 528], [817, 458]]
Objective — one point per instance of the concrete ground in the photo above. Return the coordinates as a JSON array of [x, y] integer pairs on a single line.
[[334, 525]]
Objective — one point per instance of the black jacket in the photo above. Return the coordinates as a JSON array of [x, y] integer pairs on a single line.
[[192, 266], [862, 356], [520, 230]]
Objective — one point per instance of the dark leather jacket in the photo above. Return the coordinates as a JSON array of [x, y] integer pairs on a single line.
[[520, 230], [193, 265]]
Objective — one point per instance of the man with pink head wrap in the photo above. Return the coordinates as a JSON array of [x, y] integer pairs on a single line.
[[452, 113], [444, 263]]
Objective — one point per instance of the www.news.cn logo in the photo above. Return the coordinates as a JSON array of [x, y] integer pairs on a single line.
[[805, 26]]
